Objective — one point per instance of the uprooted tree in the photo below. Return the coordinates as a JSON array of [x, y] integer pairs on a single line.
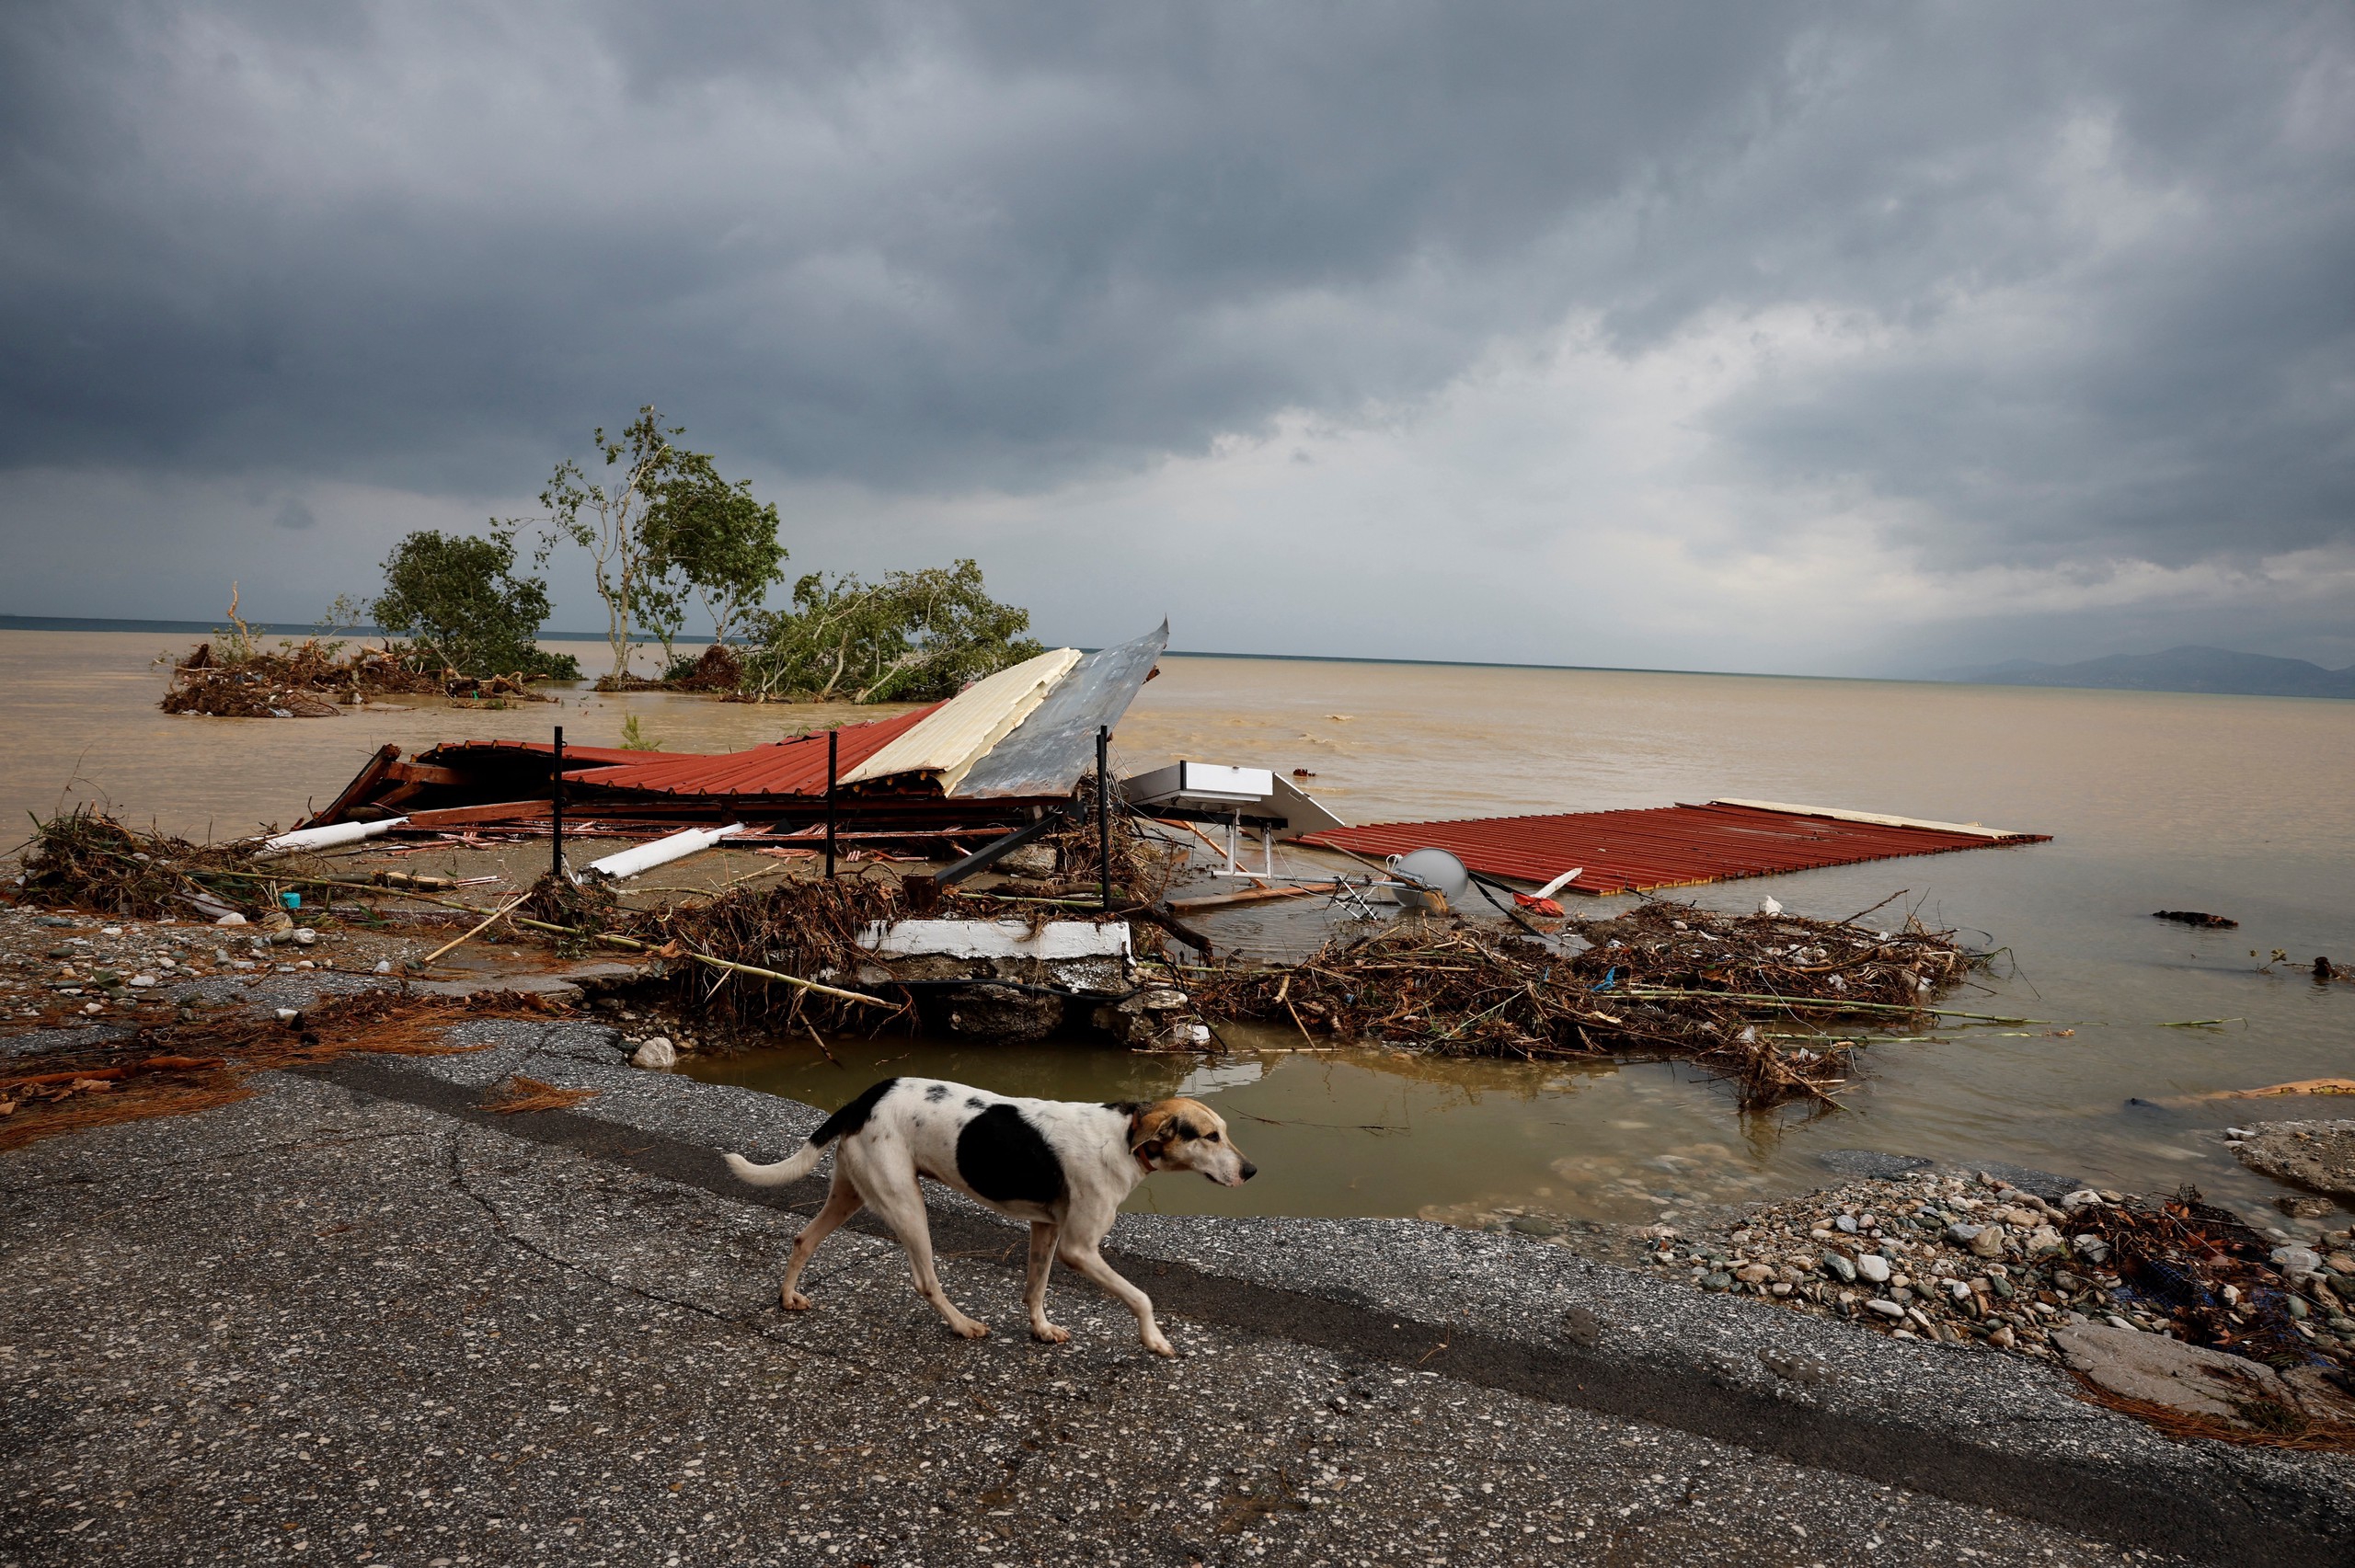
[[458, 598], [911, 636]]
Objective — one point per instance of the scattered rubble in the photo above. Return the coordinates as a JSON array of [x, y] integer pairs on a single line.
[[1938, 1256], [2317, 1155], [56, 969]]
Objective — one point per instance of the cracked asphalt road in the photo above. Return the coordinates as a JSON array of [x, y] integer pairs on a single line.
[[323, 1325]]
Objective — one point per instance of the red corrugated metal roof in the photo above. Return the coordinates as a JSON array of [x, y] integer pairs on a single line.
[[1669, 846], [787, 767], [575, 757]]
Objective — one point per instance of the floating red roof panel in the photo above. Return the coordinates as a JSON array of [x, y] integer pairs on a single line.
[[796, 766], [1669, 846]]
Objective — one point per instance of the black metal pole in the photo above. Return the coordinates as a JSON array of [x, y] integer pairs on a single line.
[[1104, 808], [555, 808], [834, 758]]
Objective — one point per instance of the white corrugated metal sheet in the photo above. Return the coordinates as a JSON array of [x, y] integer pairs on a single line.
[[960, 732], [1050, 750]]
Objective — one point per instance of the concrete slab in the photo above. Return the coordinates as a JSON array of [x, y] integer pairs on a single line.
[[1056, 940]]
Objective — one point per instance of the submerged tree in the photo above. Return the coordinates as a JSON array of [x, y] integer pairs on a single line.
[[608, 520], [458, 597], [713, 537], [659, 524], [912, 636]]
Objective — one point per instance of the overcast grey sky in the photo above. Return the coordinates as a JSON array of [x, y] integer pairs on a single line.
[[1766, 336]]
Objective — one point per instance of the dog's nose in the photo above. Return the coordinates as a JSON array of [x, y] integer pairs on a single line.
[[1249, 1169]]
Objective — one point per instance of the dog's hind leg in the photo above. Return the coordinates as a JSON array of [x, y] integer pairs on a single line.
[[1034, 1293], [841, 1202], [899, 1204]]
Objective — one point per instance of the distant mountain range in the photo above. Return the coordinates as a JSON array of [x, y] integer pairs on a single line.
[[2177, 670]]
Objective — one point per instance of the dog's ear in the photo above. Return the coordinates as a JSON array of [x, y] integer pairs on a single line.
[[1149, 1133]]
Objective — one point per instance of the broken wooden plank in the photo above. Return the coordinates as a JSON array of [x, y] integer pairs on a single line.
[[1247, 896]]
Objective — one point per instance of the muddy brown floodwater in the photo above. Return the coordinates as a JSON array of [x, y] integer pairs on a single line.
[[2241, 805]]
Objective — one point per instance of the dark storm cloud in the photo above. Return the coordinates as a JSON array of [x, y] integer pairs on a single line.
[[2099, 259]]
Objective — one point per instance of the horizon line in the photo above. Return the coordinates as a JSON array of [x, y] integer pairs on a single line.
[[283, 629]]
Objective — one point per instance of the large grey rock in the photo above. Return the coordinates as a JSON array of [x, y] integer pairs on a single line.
[[2318, 1155], [2165, 1371]]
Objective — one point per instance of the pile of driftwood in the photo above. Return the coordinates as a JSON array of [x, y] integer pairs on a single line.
[[305, 680], [776, 957], [716, 670], [299, 681], [1758, 998]]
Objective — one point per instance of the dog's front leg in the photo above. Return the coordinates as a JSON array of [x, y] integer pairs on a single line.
[[1083, 1257], [1034, 1293]]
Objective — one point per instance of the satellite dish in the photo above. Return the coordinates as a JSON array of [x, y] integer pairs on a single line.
[[1434, 875]]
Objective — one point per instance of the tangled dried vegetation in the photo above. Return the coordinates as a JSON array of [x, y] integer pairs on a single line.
[[1725, 990], [726, 958], [86, 859], [169, 1069], [716, 670], [305, 680], [742, 959], [2201, 1270]]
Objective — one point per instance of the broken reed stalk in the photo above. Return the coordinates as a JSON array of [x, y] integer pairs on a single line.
[[1840, 1005], [461, 941], [756, 971]]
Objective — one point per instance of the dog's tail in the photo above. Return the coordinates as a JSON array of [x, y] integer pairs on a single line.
[[791, 1169], [843, 1122]]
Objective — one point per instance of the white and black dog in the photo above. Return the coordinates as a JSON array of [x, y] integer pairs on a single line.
[[1064, 1167]]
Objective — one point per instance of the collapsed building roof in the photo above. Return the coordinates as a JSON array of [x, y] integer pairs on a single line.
[[1670, 846], [1015, 740]]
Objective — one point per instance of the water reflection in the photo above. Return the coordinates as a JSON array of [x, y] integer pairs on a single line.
[[1361, 1130]]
